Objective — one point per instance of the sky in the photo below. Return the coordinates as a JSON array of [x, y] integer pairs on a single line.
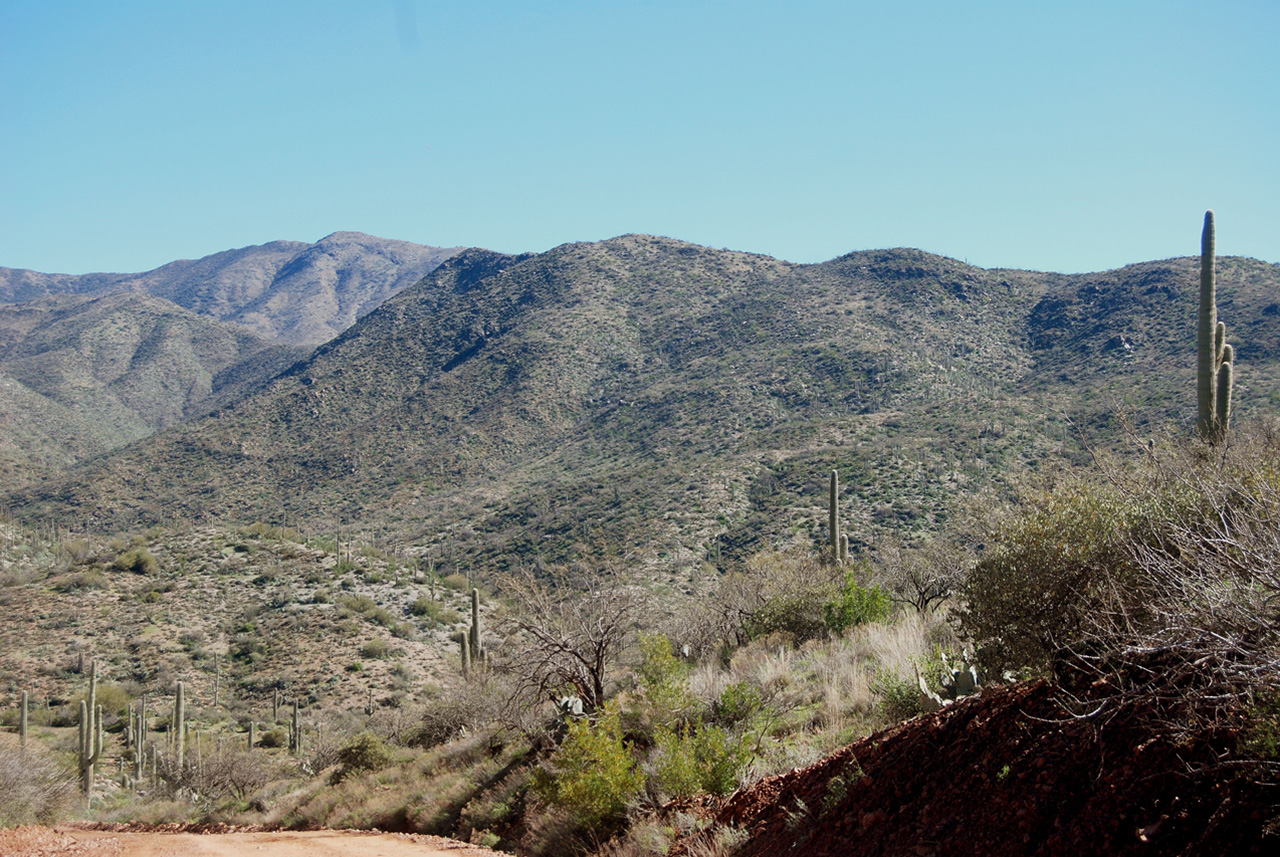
[[1075, 138]]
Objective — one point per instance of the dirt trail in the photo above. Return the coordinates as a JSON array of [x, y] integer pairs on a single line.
[[69, 840]]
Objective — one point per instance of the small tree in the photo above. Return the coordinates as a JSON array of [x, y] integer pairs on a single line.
[[922, 577], [566, 632]]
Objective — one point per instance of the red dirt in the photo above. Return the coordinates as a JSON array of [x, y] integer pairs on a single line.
[[1011, 773], [100, 840]]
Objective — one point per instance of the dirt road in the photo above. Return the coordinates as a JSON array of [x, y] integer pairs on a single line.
[[70, 841]]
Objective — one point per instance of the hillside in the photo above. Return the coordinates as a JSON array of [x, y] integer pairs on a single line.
[[82, 375], [647, 394], [1053, 782], [289, 291]]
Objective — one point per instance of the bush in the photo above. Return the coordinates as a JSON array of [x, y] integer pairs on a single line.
[[1056, 567], [364, 752], [738, 703], [1174, 550], [662, 677], [707, 760], [593, 776], [776, 592], [899, 698], [138, 561], [32, 788], [855, 604], [469, 706], [434, 612]]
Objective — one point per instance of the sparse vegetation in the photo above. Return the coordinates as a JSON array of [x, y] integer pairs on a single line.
[[668, 617]]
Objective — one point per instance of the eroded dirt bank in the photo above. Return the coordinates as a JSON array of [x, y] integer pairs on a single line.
[[1013, 772]]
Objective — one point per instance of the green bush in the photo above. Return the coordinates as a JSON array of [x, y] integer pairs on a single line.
[[434, 612], [1055, 568], [855, 604], [364, 752], [662, 678], [593, 776], [707, 759], [738, 703], [138, 561], [899, 698]]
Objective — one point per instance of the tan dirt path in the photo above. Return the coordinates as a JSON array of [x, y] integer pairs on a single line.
[[69, 841]]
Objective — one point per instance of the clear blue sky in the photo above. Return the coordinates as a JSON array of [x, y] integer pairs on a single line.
[[1076, 139]]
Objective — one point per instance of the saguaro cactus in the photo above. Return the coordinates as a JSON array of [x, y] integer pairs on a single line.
[[295, 731], [1214, 358], [464, 639], [140, 740], [22, 723], [833, 515], [90, 733], [477, 641], [179, 726]]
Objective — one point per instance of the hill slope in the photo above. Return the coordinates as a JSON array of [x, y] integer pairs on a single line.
[[644, 393], [82, 375], [290, 291]]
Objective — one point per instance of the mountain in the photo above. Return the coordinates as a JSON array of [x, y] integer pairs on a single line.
[[84, 374], [684, 404], [289, 291]]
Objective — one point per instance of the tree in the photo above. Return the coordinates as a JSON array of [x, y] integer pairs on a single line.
[[922, 577], [567, 629]]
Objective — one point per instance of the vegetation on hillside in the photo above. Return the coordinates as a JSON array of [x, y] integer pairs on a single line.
[[628, 445]]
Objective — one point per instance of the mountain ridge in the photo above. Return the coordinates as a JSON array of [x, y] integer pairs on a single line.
[[641, 392], [290, 291]]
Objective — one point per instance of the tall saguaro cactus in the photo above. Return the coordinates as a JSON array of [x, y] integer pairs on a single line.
[[1214, 358], [90, 734], [833, 515], [179, 725], [22, 722], [477, 641]]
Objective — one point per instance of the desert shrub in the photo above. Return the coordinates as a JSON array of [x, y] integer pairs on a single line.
[[470, 706], [899, 699], [434, 612], [738, 703], [364, 752], [32, 788], [92, 578], [113, 698], [1063, 564], [1174, 549], [776, 591], [365, 606], [78, 551], [855, 604], [375, 648], [663, 679], [139, 561], [922, 577], [273, 738], [593, 776], [707, 759], [236, 774], [456, 581]]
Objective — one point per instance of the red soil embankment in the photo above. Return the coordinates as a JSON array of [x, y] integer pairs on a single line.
[[1012, 772]]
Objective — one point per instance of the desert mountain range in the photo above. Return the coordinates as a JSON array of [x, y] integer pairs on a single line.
[[644, 393]]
